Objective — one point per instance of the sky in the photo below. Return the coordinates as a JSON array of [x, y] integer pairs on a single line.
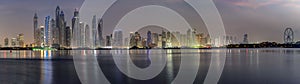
[[262, 20]]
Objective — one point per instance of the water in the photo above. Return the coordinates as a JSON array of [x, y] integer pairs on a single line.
[[242, 66]]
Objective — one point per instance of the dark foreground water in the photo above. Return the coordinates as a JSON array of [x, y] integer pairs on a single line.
[[242, 66]]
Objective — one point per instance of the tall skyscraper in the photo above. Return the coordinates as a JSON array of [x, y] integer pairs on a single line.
[[35, 29], [61, 26], [94, 32], [41, 36], [75, 30], [88, 38], [62, 29], [54, 33], [149, 39], [169, 40], [191, 34], [47, 33], [118, 39], [57, 24], [164, 39], [68, 36], [155, 39], [100, 29], [81, 35]]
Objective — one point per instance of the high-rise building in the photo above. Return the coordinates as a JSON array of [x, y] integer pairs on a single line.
[[183, 40], [159, 44], [245, 41], [35, 29], [126, 42], [155, 39], [191, 34], [94, 32], [61, 26], [62, 29], [175, 39], [164, 40], [41, 36], [118, 39], [6, 42], [138, 40], [108, 40], [100, 29], [149, 39], [75, 29], [132, 40], [20, 40], [14, 42], [54, 33], [47, 32], [68, 36], [169, 39], [58, 24], [81, 35], [88, 38]]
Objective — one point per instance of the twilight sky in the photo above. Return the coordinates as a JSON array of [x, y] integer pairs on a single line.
[[263, 20]]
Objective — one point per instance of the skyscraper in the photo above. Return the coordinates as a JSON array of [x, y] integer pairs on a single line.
[[35, 29], [164, 38], [61, 26], [108, 40], [75, 29], [88, 39], [149, 39], [94, 32], [100, 29], [41, 36], [54, 33], [57, 24], [20, 40], [118, 39], [68, 36], [132, 40], [47, 33], [81, 36], [62, 29], [155, 39]]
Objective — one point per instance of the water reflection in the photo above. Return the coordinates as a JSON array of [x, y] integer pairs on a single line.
[[27, 54], [243, 66]]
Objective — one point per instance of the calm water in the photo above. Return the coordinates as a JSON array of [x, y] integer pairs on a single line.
[[242, 66]]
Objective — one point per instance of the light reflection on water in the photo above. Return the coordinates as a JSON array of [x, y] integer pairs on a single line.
[[27, 54], [243, 66]]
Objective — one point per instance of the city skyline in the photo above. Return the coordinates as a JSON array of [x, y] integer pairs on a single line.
[[239, 17]]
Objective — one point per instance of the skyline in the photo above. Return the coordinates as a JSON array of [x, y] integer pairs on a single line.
[[256, 18]]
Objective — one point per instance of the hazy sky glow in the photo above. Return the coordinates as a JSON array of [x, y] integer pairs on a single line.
[[263, 20]]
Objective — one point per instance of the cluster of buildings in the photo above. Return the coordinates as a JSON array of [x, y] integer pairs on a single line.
[[169, 40], [15, 42], [54, 32]]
